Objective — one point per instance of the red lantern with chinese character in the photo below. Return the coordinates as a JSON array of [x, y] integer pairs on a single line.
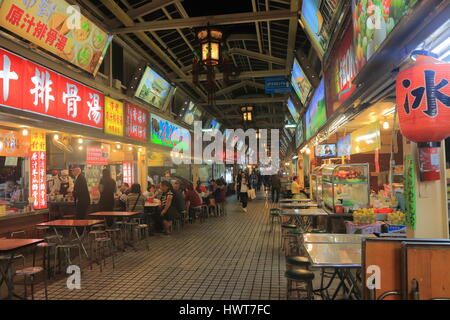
[[423, 104]]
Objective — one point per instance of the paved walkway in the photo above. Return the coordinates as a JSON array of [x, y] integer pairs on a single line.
[[231, 257]]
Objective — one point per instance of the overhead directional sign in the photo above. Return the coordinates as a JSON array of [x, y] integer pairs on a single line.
[[277, 85]]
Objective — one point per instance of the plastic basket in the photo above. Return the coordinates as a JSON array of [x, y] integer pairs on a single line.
[[353, 228]]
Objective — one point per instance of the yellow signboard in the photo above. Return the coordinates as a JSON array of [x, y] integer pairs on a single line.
[[366, 139], [113, 117], [38, 142], [59, 28]]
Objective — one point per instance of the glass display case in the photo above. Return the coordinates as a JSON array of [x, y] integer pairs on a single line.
[[316, 183], [346, 184]]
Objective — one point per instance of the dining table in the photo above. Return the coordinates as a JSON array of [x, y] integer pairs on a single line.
[[303, 218], [290, 200], [335, 238], [73, 225], [344, 259], [298, 205], [8, 250]]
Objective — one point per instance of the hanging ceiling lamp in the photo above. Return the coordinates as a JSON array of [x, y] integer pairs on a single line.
[[210, 57]]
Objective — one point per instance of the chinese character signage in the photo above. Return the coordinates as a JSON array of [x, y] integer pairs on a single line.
[[341, 72], [128, 176], [136, 122], [373, 21], [167, 134], [38, 181], [423, 99], [96, 156], [59, 28], [14, 144], [30, 87], [114, 121]]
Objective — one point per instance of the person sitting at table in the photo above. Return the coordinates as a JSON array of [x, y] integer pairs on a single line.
[[124, 190], [151, 192], [193, 200], [179, 198], [295, 188], [135, 201], [167, 208]]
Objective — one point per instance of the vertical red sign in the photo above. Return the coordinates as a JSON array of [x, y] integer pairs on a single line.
[[136, 122], [38, 169]]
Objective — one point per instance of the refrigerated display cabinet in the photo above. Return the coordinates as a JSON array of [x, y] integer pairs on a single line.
[[316, 183], [348, 183]]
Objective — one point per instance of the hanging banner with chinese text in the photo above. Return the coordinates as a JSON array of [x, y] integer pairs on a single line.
[[59, 28], [14, 144], [31, 87], [409, 181], [113, 117], [38, 163], [136, 124]]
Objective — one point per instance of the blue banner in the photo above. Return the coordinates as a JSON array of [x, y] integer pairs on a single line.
[[277, 85]]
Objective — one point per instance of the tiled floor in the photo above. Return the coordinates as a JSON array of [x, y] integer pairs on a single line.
[[231, 257]]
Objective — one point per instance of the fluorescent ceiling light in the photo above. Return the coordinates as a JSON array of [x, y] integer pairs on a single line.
[[366, 137], [442, 47], [389, 111]]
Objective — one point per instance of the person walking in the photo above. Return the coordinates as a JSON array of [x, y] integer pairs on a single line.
[[81, 194], [243, 187], [107, 188], [167, 207], [276, 187]]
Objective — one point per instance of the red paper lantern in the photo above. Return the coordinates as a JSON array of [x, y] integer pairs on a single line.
[[423, 99], [423, 104]]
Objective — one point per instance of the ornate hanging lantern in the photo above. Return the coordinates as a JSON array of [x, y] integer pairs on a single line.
[[210, 57], [247, 114], [423, 104]]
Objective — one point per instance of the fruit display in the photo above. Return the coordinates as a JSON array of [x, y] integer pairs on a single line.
[[373, 20], [364, 216], [397, 218]]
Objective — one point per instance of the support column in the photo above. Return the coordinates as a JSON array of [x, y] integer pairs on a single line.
[[431, 200], [142, 168]]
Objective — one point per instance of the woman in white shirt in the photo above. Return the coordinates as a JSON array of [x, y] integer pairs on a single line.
[[243, 185]]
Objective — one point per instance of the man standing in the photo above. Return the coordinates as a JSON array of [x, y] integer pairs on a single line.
[[81, 194], [276, 187]]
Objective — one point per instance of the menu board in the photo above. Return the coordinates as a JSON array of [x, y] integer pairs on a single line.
[[96, 156], [316, 116], [153, 88], [136, 122], [30, 87], [300, 82], [59, 28], [373, 21], [128, 173], [193, 113], [344, 146], [167, 134], [299, 137], [38, 169], [293, 110], [315, 27], [341, 72], [325, 150], [14, 144], [113, 117]]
